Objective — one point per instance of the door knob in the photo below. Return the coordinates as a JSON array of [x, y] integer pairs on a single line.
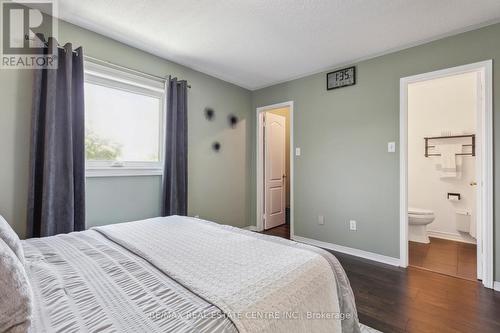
[[473, 183]]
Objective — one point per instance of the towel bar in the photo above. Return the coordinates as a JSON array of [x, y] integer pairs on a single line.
[[472, 144]]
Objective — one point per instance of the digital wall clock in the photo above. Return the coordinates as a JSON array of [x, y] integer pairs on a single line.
[[341, 78]]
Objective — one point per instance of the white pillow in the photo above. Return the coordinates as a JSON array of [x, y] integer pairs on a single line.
[[16, 296], [9, 236]]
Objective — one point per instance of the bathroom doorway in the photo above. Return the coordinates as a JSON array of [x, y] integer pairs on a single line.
[[446, 172], [274, 168]]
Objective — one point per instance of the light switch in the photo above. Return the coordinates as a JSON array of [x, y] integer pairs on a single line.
[[297, 151], [391, 147], [353, 225]]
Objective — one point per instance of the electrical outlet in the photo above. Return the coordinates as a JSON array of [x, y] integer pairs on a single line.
[[321, 220], [352, 225], [197, 216], [297, 151]]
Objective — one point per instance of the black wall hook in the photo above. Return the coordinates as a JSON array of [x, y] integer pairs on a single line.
[[216, 146], [209, 113], [233, 120]]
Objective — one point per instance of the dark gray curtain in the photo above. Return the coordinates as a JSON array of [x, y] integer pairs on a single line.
[[175, 169], [56, 196]]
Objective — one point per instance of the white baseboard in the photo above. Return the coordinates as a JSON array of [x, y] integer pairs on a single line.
[[349, 250], [252, 228], [496, 286], [449, 236]]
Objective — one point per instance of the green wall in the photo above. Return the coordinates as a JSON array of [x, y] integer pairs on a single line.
[[118, 199], [345, 171], [218, 183]]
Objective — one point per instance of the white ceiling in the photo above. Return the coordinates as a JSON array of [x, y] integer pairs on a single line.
[[257, 43]]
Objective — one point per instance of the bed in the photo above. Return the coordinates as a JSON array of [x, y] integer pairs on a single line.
[[181, 274]]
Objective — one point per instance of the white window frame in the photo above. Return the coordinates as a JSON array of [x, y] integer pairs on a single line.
[[110, 77]]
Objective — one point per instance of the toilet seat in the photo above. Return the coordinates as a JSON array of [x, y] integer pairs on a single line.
[[419, 211], [418, 219]]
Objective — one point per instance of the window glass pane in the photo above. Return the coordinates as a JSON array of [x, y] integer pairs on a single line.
[[121, 125]]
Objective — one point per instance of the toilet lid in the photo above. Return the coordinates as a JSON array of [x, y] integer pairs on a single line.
[[419, 211]]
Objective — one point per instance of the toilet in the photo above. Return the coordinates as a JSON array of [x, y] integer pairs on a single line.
[[418, 219]]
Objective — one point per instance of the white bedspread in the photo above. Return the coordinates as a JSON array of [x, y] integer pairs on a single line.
[[83, 282], [263, 286]]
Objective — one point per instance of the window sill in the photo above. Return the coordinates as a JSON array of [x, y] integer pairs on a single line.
[[122, 172]]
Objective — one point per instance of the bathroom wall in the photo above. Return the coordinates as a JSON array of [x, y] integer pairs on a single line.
[[434, 108]]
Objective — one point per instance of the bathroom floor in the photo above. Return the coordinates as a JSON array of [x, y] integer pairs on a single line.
[[446, 257]]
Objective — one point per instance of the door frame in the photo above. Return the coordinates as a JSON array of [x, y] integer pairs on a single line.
[[485, 154], [260, 159]]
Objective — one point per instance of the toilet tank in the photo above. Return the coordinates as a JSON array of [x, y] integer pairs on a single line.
[[462, 218]]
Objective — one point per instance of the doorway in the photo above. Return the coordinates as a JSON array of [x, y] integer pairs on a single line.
[[446, 172], [275, 167]]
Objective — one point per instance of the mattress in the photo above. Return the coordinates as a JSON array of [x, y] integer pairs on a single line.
[[95, 281]]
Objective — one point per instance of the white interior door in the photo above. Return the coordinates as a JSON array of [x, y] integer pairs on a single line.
[[274, 170]]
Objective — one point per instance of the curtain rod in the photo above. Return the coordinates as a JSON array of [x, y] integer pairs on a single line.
[[62, 48], [131, 70], [58, 46]]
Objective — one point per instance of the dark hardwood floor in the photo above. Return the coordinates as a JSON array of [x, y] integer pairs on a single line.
[[280, 231], [393, 299], [446, 257]]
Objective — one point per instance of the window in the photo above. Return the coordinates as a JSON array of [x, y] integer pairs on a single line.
[[123, 122]]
